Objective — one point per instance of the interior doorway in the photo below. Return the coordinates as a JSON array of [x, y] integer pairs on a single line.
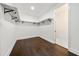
[[61, 18]]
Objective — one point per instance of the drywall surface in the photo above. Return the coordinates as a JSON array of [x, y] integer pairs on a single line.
[[7, 37], [47, 15], [47, 31], [7, 34], [26, 32], [61, 18], [1, 17], [74, 28], [11, 32]]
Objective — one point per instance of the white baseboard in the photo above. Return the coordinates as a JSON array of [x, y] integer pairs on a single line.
[[74, 51], [20, 38], [47, 39], [61, 44]]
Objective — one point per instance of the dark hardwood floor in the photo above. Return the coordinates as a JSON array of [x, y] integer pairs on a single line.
[[38, 47]]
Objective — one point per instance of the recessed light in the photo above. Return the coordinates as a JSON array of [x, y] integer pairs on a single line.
[[32, 7]]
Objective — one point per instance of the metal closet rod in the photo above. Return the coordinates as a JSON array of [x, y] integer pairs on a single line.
[[38, 23]]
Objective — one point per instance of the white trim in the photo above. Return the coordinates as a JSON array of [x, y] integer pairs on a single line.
[[22, 38], [61, 44], [48, 39], [74, 51]]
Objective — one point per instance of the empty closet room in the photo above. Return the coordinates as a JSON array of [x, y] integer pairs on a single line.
[[38, 29]]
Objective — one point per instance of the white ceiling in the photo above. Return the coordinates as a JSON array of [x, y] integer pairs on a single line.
[[40, 8]]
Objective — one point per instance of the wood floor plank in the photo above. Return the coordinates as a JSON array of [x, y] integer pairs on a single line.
[[38, 47]]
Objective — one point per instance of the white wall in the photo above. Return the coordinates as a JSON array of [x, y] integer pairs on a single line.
[[23, 32], [7, 37], [74, 28], [7, 34], [47, 31], [25, 17], [61, 18], [1, 17], [49, 14]]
